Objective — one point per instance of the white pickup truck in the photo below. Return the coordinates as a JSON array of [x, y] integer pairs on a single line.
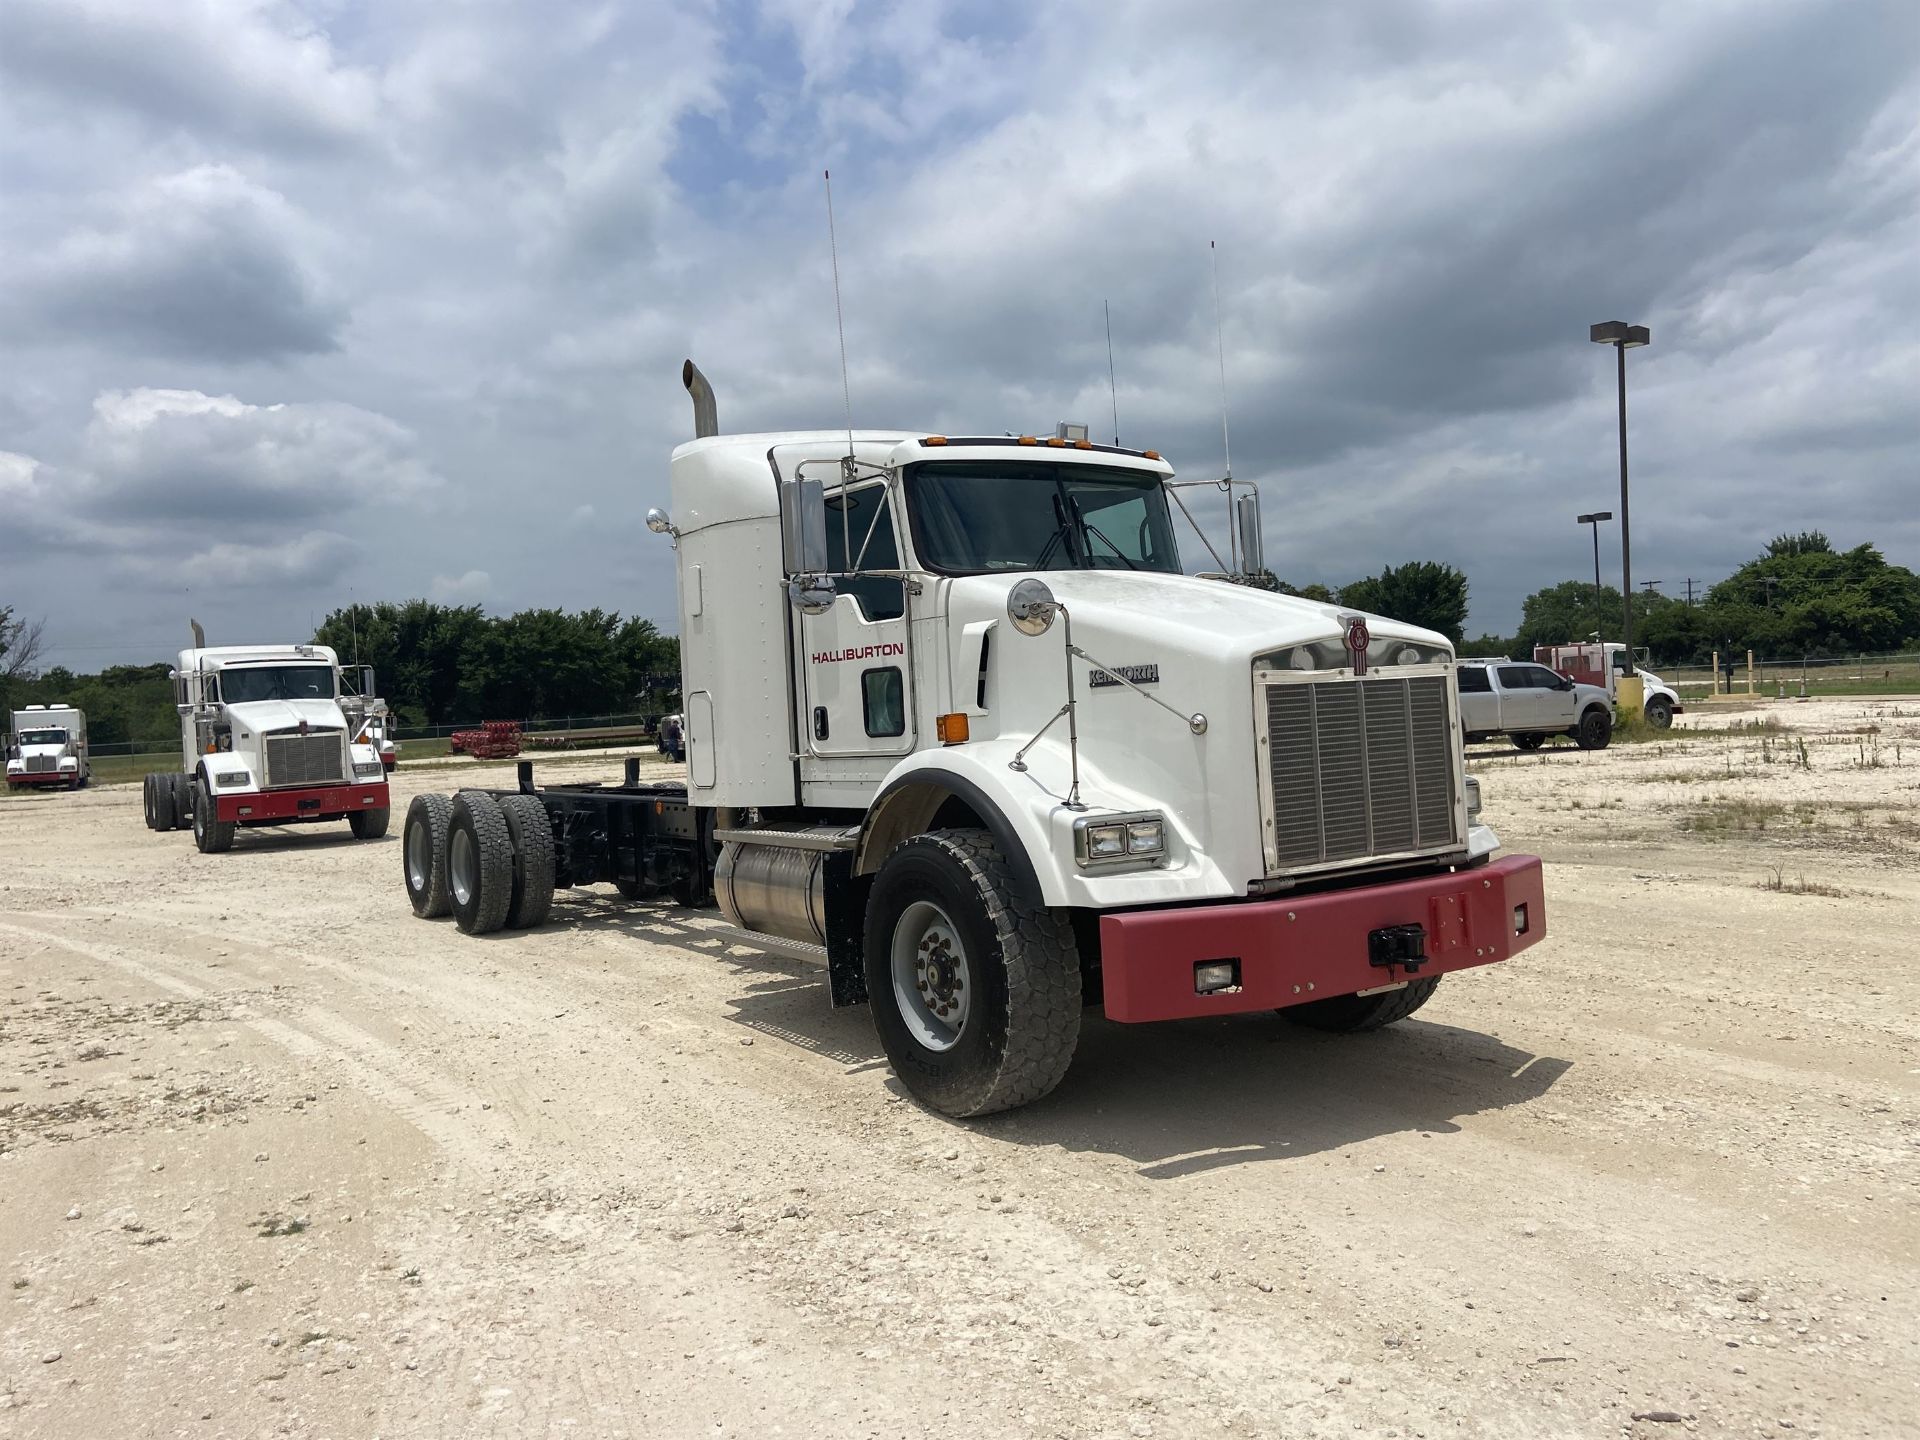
[[1528, 703]]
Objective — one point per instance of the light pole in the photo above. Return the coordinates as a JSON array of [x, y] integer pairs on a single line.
[[1623, 337], [1594, 520]]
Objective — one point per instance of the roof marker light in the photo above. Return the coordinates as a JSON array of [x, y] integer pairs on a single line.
[[1026, 440], [934, 440]]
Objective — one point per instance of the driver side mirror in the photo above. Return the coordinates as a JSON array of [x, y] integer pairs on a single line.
[[803, 527]]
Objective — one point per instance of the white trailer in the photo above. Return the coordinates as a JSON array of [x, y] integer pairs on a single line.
[[269, 735], [47, 747], [959, 726]]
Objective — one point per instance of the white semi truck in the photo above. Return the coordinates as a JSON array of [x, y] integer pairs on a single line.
[[269, 735], [48, 747], [959, 726]]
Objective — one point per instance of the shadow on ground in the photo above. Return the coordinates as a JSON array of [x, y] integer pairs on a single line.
[[1176, 1099]]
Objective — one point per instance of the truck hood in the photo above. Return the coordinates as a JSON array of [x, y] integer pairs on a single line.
[[265, 716], [1158, 615]]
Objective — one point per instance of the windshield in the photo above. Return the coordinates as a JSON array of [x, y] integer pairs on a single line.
[[43, 737], [969, 517], [276, 682]]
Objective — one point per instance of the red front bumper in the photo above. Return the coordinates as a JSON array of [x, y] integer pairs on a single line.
[[1310, 947], [279, 807], [43, 777]]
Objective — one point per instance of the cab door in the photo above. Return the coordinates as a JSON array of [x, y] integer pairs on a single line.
[[856, 687]]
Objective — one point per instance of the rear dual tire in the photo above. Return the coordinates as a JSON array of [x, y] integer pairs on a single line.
[[490, 863]]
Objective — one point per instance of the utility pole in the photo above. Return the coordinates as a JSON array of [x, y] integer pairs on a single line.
[[1769, 581], [1691, 582], [1648, 585]]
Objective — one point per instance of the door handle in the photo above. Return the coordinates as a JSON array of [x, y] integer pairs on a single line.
[[819, 722]]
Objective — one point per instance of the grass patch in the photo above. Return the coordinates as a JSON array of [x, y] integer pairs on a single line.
[[1778, 883], [1740, 815]]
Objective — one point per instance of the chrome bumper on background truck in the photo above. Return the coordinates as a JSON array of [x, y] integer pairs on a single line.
[[1161, 964]]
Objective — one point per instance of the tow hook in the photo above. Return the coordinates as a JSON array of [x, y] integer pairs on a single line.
[[1402, 945]]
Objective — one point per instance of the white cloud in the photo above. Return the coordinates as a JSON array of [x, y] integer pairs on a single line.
[[183, 456], [463, 589], [312, 256], [201, 262], [255, 71]]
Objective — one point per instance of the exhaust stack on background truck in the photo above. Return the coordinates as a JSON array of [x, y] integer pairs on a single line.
[[959, 726]]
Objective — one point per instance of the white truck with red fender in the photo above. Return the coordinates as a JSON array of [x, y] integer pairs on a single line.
[[959, 726], [48, 747], [269, 735]]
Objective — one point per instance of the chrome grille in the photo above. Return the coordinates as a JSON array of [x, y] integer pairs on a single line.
[[41, 764], [1358, 768], [315, 758]]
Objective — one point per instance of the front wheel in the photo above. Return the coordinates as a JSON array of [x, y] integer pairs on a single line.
[[1351, 1014], [1595, 729], [1660, 713], [212, 835], [976, 993], [369, 824]]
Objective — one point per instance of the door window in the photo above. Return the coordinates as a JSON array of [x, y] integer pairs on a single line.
[[883, 697], [1519, 677], [1473, 680], [860, 537]]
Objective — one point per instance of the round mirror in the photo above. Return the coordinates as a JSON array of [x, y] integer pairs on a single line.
[[658, 522], [1030, 606]]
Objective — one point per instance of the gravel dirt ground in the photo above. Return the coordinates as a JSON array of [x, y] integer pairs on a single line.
[[277, 1158]]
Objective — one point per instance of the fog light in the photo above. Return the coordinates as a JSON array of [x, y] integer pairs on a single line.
[[1145, 837], [1212, 976], [1519, 919]]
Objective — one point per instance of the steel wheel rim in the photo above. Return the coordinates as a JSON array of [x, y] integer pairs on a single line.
[[461, 867], [932, 979], [419, 857]]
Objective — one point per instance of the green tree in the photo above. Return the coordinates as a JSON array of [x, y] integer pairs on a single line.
[[1421, 592]]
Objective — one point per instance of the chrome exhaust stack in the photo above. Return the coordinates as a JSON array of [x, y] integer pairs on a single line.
[[706, 416]]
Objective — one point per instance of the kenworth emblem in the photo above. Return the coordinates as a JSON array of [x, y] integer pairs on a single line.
[[1136, 674], [1358, 638]]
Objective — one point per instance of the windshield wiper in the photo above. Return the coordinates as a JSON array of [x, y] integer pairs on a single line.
[[1062, 531], [1090, 528]]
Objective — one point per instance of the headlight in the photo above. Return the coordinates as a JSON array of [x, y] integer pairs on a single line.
[[67, 762], [232, 777], [1101, 841], [362, 769], [1473, 799]]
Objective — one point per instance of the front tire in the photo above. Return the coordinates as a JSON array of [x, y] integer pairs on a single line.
[[479, 863], [213, 836], [976, 994], [369, 824], [423, 854], [1353, 1014], [1660, 713], [1595, 729]]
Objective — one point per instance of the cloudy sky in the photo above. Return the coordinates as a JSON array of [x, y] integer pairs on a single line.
[[386, 298]]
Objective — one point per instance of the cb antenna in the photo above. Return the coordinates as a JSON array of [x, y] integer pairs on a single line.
[[1113, 387], [1220, 343], [1226, 440], [839, 319]]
